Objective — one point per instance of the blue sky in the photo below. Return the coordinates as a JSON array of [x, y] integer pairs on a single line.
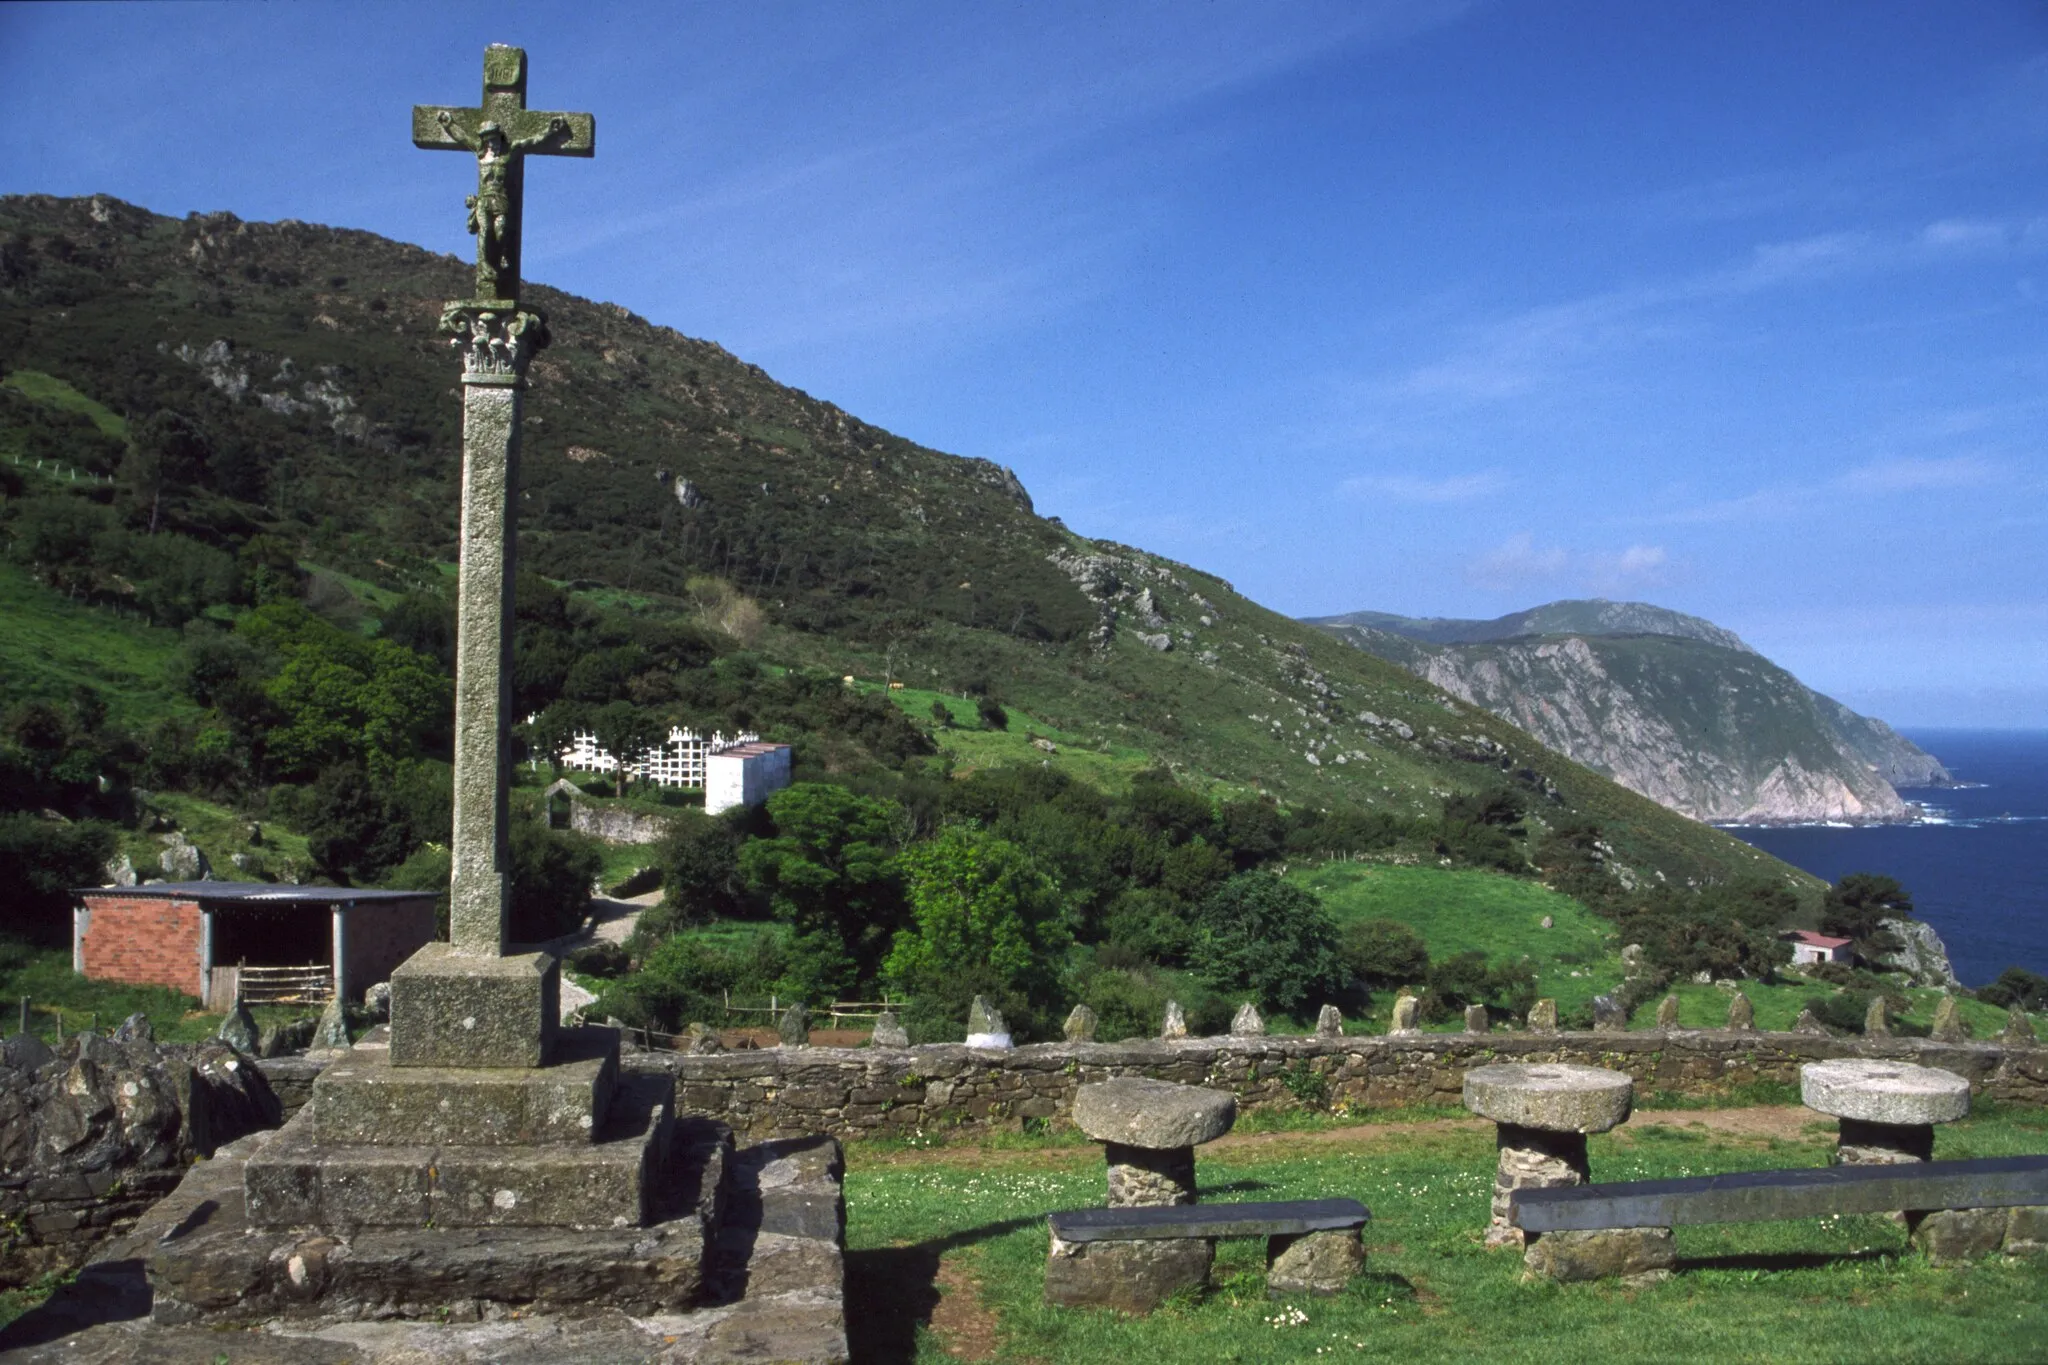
[[1438, 308]]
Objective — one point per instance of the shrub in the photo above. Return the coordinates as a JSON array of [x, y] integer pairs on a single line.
[[552, 872], [1468, 979], [1384, 952], [1267, 938], [2017, 986]]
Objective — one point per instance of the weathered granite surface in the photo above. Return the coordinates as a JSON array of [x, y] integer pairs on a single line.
[[1131, 1277], [934, 1087], [1319, 1263], [1598, 1254], [1558, 1097], [1883, 1091], [767, 1287], [93, 1132], [1133, 1111], [449, 1009]]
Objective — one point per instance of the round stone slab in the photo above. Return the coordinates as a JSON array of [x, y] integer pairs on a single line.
[[1156, 1114], [1554, 1096], [1883, 1092]]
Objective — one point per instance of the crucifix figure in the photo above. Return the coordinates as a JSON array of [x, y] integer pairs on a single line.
[[502, 132], [496, 338]]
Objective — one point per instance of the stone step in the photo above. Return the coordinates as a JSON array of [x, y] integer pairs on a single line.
[[362, 1098], [298, 1181]]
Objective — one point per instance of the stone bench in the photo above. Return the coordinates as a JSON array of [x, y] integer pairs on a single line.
[[1312, 1247], [1957, 1210]]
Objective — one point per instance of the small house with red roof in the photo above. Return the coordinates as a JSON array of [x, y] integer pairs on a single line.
[[1809, 948]]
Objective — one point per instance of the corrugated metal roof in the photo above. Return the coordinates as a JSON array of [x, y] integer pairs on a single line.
[[266, 893]]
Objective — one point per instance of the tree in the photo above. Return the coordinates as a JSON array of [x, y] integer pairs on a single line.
[[552, 872], [1384, 952], [1856, 908], [829, 869], [1260, 935], [993, 716], [700, 871], [626, 732], [1467, 979], [984, 918], [167, 451]]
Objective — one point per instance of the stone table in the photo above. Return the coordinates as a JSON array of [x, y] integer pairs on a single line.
[[1542, 1115], [1887, 1110], [1148, 1130]]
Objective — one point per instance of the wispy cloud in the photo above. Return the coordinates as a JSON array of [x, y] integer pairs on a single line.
[[1875, 479], [1411, 488], [1519, 564]]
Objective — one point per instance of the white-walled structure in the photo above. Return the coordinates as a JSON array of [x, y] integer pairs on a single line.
[[1809, 948], [678, 763], [744, 775]]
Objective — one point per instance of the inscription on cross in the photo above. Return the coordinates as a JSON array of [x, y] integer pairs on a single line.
[[502, 132]]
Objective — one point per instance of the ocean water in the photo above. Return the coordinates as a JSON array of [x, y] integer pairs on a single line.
[[1977, 866]]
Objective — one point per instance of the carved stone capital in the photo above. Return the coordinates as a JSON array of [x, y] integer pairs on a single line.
[[495, 342]]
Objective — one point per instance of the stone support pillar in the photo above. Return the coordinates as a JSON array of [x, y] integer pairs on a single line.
[[1544, 1114], [1142, 1176], [340, 949]]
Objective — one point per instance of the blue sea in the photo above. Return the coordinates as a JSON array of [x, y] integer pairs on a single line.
[[1977, 866]]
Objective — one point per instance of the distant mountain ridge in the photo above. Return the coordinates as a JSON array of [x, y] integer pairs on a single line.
[[1669, 705]]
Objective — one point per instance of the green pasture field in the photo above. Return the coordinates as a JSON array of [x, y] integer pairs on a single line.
[[1778, 1005], [52, 645], [1460, 910], [958, 1239], [973, 745], [44, 975], [54, 392]]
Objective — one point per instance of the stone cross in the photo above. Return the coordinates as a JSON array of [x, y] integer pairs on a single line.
[[502, 132], [496, 339]]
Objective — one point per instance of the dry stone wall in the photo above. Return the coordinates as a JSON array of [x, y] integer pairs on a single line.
[[781, 1092]]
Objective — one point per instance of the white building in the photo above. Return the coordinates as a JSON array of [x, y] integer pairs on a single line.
[[678, 763], [744, 775], [1809, 948]]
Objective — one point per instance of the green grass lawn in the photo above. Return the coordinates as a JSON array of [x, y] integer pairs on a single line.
[[56, 393], [52, 645], [1460, 910], [221, 834], [44, 976], [973, 745], [964, 1237], [1778, 1005]]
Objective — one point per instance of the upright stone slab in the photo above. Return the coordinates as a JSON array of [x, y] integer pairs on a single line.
[[1877, 1020], [1543, 1016], [1247, 1022], [1329, 1022], [1741, 1013], [1542, 1115], [1407, 1015], [1080, 1025], [1477, 1020], [1667, 1013], [1608, 1015], [2019, 1029], [1175, 1024], [1948, 1022]]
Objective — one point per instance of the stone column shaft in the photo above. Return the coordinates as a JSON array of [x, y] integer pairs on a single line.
[[483, 664], [1145, 1176]]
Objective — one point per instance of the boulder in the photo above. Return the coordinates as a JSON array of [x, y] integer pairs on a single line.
[[701, 1040], [1133, 1111], [377, 1000], [1894, 1093], [1320, 1263], [1958, 1236], [134, 1029], [985, 1025], [238, 1031], [794, 1027], [1554, 1096], [330, 1031], [2019, 1030], [1080, 1025], [1741, 1013], [1600, 1253], [1948, 1022], [1921, 955]]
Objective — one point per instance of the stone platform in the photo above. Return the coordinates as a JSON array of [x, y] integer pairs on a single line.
[[745, 1265]]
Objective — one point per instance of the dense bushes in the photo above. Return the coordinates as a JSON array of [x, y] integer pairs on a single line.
[[1269, 939]]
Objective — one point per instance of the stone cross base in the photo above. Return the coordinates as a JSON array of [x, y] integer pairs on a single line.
[[448, 1009]]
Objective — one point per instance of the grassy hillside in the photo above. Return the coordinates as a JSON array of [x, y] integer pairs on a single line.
[[300, 369]]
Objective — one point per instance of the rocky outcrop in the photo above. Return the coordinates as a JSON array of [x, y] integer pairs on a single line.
[[1922, 955], [1693, 719], [96, 1131]]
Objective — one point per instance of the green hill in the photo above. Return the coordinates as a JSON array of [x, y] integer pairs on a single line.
[[289, 383]]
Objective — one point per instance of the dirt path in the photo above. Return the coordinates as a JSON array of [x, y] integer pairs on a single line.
[[966, 1329], [1759, 1123]]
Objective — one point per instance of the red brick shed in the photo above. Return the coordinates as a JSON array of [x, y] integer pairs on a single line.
[[176, 934]]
